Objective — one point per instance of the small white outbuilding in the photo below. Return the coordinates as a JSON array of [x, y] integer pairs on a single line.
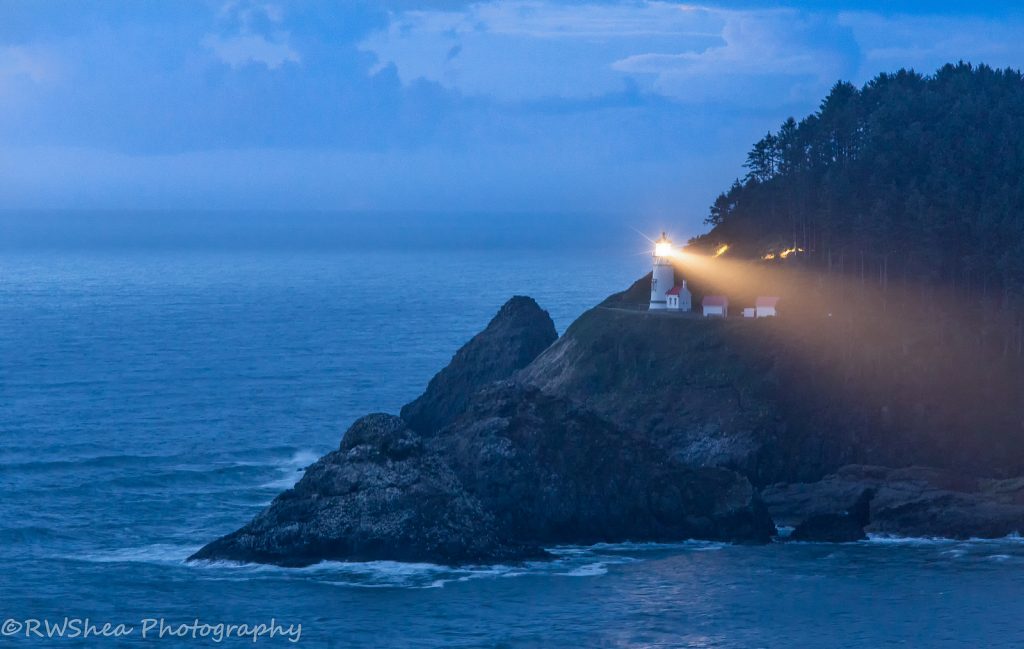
[[749, 312], [678, 298], [764, 306], [715, 306]]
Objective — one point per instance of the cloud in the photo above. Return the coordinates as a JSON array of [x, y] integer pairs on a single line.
[[527, 50], [254, 36], [625, 105], [26, 71], [524, 50], [766, 58], [244, 49], [927, 42], [27, 63]]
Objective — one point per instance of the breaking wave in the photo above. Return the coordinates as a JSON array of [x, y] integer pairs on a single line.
[[569, 561], [291, 470], [889, 539]]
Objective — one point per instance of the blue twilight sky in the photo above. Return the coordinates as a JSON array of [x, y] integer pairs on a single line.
[[636, 107]]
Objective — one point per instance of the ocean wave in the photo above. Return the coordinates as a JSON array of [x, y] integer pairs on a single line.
[[291, 470], [29, 534], [588, 570], [357, 574], [891, 539], [161, 553], [276, 457], [636, 546], [569, 561], [97, 462], [136, 473]]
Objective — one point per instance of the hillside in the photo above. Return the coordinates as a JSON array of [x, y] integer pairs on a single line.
[[787, 399], [908, 178]]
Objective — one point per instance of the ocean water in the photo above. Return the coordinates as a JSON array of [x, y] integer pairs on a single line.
[[151, 401]]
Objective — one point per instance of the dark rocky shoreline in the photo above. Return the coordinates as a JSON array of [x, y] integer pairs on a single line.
[[626, 428]]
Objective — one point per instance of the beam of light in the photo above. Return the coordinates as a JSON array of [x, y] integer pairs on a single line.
[[722, 249], [906, 355], [649, 240]]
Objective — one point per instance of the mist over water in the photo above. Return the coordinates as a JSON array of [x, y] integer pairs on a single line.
[[159, 389], [87, 230]]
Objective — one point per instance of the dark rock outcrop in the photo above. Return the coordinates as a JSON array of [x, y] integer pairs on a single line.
[[837, 528], [637, 297], [382, 495], [517, 471], [705, 391], [793, 398], [913, 502], [554, 473], [515, 336]]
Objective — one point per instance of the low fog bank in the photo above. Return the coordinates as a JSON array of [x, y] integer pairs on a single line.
[[133, 230]]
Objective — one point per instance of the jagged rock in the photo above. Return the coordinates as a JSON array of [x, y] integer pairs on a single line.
[[554, 473], [697, 388], [637, 297], [845, 527], [517, 471], [515, 336], [913, 501], [381, 495], [499, 473]]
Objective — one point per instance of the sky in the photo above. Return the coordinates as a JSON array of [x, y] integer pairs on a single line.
[[638, 108]]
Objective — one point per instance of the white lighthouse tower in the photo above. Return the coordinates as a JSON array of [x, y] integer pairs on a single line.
[[663, 277]]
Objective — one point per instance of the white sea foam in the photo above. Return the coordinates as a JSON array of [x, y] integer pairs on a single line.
[[291, 470], [575, 562], [384, 574], [588, 570], [630, 546], [889, 539], [362, 574], [936, 540]]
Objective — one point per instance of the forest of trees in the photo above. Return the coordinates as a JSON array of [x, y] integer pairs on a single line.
[[912, 177]]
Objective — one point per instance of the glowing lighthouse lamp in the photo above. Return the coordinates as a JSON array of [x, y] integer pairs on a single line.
[[665, 293]]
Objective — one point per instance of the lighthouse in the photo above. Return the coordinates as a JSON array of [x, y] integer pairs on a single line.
[[663, 278]]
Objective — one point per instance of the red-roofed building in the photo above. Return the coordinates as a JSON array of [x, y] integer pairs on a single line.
[[678, 298], [764, 306], [715, 305]]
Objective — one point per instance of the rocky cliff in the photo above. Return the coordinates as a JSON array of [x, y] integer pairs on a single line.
[[484, 467], [793, 398], [384, 494], [910, 501], [643, 427], [515, 336], [708, 392]]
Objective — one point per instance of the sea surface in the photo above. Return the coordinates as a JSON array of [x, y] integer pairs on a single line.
[[152, 400]]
